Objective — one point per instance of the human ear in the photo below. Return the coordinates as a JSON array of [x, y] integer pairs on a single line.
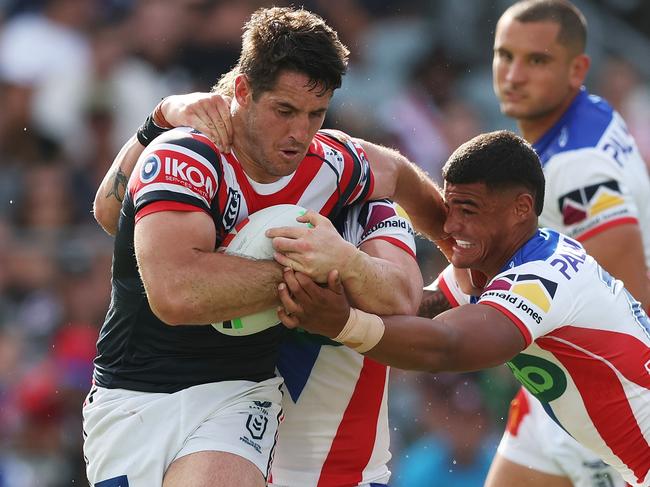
[[578, 70], [524, 205], [243, 92]]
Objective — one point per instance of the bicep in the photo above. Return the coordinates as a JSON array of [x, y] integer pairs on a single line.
[[619, 250], [166, 241]]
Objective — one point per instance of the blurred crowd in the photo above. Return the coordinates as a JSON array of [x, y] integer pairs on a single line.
[[77, 77]]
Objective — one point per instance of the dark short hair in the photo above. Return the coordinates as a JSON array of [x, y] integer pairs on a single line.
[[573, 25], [280, 39], [500, 160]]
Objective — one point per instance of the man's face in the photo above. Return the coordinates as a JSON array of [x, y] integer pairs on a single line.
[[532, 74], [279, 126], [480, 222]]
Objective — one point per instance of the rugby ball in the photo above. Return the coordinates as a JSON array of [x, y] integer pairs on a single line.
[[247, 239]]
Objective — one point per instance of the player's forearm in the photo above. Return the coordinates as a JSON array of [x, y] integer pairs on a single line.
[[109, 196], [379, 286], [414, 343], [398, 178], [433, 303], [211, 287]]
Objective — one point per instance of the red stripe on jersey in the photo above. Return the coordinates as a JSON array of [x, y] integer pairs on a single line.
[[625, 352], [519, 408], [290, 194], [396, 242], [355, 438], [165, 205], [207, 141], [444, 287], [346, 176], [605, 397], [606, 226], [520, 324]]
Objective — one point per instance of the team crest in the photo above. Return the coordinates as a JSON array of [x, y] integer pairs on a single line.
[[590, 201], [231, 212]]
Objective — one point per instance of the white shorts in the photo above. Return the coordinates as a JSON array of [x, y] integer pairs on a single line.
[[131, 437], [534, 440]]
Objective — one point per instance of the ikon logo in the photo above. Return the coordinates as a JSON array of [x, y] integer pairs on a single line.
[[191, 174]]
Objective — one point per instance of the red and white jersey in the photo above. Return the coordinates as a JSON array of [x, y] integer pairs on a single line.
[[335, 432], [595, 176], [587, 355], [183, 171], [534, 440]]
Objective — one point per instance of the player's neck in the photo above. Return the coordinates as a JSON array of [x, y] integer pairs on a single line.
[[523, 235], [533, 129], [244, 154]]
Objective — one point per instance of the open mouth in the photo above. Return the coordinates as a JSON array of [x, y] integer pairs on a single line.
[[289, 153], [464, 244]]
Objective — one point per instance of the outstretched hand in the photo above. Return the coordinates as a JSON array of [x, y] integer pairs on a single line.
[[208, 113], [313, 250], [305, 304]]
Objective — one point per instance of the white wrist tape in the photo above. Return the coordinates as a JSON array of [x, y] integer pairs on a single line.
[[362, 331]]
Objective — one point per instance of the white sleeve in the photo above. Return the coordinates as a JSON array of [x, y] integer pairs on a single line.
[[447, 283], [382, 219], [533, 296]]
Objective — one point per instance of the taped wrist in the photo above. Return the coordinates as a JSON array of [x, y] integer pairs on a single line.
[[154, 125], [362, 331]]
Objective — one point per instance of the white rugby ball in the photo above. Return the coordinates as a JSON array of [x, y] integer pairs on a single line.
[[247, 239]]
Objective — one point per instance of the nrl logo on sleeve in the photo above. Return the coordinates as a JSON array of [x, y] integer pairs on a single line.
[[590, 201], [526, 292]]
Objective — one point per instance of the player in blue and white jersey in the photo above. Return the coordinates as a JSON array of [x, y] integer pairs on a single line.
[[571, 334], [597, 190]]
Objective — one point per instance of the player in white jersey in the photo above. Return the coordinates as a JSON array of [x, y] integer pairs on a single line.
[[335, 430], [570, 333], [597, 186], [531, 438]]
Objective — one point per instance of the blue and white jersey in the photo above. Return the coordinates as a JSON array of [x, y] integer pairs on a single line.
[[335, 430], [595, 176], [587, 355]]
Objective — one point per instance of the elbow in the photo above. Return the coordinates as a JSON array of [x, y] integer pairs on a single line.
[[104, 218], [170, 307]]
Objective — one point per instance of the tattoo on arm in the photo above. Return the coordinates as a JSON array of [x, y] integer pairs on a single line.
[[433, 303], [119, 186]]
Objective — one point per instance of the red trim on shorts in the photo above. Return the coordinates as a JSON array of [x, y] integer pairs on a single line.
[[520, 324], [605, 226], [158, 206], [355, 438], [519, 408]]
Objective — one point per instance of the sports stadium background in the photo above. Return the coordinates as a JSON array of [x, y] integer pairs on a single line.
[[77, 77]]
